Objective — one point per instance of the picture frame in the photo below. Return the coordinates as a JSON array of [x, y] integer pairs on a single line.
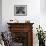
[[20, 10]]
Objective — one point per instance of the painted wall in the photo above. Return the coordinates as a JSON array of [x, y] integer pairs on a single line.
[[34, 14], [0, 15], [43, 14], [43, 6]]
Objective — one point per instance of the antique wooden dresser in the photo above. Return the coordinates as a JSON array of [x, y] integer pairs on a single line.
[[22, 33]]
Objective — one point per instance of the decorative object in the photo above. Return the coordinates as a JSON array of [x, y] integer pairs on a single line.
[[13, 21], [20, 10], [7, 38], [27, 21], [1, 40], [41, 36]]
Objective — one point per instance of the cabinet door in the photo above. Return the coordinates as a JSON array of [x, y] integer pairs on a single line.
[[24, 38], [20, 37]]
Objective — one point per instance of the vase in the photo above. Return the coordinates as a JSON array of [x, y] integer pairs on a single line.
[[41, 43]]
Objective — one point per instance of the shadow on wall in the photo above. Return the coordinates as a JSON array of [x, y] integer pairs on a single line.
[[0, 15], [43, 6]]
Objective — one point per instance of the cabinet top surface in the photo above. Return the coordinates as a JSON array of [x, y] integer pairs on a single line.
[[19, 23]]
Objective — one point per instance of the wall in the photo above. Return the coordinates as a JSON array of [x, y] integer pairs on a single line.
[[43, 6], [34, 14], [0, 15], [43, 14]]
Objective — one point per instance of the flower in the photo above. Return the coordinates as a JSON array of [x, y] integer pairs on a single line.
[[40, 33]]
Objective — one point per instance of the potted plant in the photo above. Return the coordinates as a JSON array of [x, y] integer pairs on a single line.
[[41, 36]]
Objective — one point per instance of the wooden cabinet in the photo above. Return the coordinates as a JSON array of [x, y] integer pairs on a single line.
[[22, 33]]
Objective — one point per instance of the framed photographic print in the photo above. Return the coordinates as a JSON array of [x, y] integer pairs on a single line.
[[20, 10]]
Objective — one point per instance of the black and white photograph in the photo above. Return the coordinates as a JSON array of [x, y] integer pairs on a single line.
[[20, 10]]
